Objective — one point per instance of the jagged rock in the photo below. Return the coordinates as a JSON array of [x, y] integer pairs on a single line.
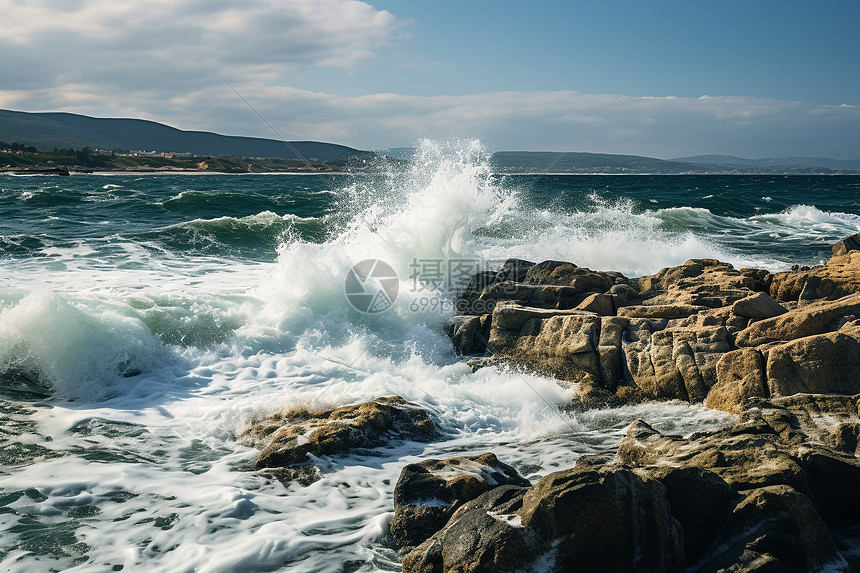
[[466, 301], [428, 493], [560, 273], [598, 303], [469, 333], [774, 528], [660, 310], [509, 320], [606, 519], [484, 535], [816, 318], [291, 436], [758, 306], [675, 363], [838, 278], [698, 282], [846, 245], [514, 270], [820, 364], [740, 376]]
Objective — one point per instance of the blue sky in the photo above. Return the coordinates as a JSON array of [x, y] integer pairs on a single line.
[[757, 78]]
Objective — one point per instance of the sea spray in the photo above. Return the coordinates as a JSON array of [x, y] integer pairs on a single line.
[[161, 350]]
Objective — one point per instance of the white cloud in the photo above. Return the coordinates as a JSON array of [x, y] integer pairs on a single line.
[[122, 43], [164, 61]]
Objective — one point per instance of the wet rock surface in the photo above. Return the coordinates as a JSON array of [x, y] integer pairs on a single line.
[[701, 331], [769, 493], [290, 437]]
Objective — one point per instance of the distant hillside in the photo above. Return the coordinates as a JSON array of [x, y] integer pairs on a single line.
[[550, 162], [787, 163], [48, 131]]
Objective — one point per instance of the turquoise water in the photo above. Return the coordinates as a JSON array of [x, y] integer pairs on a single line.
[[145, 321]]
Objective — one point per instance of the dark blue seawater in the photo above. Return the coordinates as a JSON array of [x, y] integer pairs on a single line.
[[146, 320], [783, 219]]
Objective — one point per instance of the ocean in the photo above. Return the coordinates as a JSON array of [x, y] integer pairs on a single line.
[[147, 320]]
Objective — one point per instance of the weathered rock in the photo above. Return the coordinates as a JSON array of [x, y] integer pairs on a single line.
[[292, 435], [509, 320], [675, 363], [484, 535], [470, 334], [740, 376], [598, 303], [587, 519], [846, 245], [560, 273], [774, 528], [428, 493], [816, 318], [607, 519], [514, 270], [758, 306], [660, 310], [821, 364], [838, 278], [698, 282]]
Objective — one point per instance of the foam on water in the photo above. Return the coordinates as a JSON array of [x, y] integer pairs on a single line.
[[158, 359]]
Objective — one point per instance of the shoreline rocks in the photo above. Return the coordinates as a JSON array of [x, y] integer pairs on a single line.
[[288, 439], [765, 494], [698, 332]]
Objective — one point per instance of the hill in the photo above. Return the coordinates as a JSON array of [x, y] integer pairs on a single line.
[[47, 131], [770, 163], [550, 162]]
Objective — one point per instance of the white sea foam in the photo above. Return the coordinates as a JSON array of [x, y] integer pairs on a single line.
[[159, 360]]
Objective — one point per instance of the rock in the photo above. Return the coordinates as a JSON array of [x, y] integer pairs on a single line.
[[586, 519], [598, 303], [699, 500], [483, 536], [745, 456], [469, 334], [514, 270], [604, 520], [660, 310], [838, 278], [466, 301], [428, 493], [558, 273], [777, 526], [816, 318], [846, 245], [820, 364], [740, 376], [509, 319], [293, 435], [698, 282], [675, 363], [758, 306]]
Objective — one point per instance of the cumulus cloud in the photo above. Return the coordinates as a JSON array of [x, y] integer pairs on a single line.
[[49, 43], [165, 61]]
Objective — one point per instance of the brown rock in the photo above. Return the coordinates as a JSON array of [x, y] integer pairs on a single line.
[[816, 318], [740, 376], [428, 493], [838, 278], [820, 364], [292, 435], [758, 306], [846, 245]]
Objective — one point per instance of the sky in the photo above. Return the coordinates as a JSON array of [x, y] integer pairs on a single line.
[[757, 78]]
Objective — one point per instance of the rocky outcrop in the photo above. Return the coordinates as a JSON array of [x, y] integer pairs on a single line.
[[429, 492], [587, 519], [289, 437], [701, 331], [765, 494]]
